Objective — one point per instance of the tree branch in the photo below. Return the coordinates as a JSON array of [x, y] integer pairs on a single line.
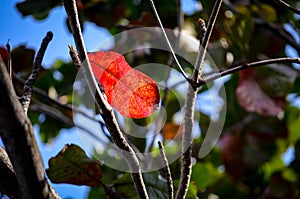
[[251, 65], [107, 112], [8, 179], [286, 5], [203, 45], [190, 104], [27, 90], [18, 138], [186, 167], [167, 171]]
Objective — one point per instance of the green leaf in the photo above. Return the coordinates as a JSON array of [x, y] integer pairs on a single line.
[[204, 174], [96, 193], [50, 128], [155, 184], [38, 9], [226, 188], [265, 11], [68, 72], [72, 166], [270, 167], [293, 121], [174, 102], [123, 185], [192, 189], [289, 175]]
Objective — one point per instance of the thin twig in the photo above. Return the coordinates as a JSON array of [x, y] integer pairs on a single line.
[[180, 21], [9, 66], [286, 5], [54, 102], [167, 40], [251, 65], [167, 171], [106, 109], [186, 169], [27, 90]]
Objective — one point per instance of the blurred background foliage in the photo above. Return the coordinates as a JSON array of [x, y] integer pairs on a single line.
[[258, 153]]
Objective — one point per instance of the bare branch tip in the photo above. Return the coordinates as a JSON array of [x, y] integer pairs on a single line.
[[49, 35], [201, 24], [160, 145], [71, 47], [7, 43]]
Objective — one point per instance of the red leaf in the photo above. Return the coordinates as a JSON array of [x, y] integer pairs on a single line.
[[253, 99], [131, 92], [72, 166]]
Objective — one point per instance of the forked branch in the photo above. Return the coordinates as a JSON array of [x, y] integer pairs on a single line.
[[190, 105]]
